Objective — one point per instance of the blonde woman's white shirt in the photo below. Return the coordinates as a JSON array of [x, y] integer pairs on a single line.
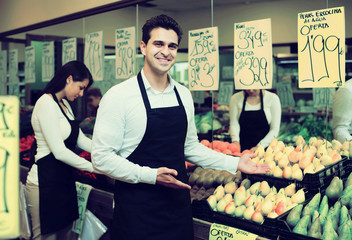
[[121, 123], [272, 110], [51, 129]]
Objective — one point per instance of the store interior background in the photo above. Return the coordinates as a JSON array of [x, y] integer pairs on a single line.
[[25, 23]]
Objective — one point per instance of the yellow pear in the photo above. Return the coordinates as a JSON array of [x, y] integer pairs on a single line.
[[346, 146], [318, 143], [230, 208], [221, 205], [254, 188], [319, 167], [228, 198], [248, 213], [250, 200], [309, 169], [287, 172], [219, 193], [321, 151], [269, 150], [277, 172], [297, 174], [260, 151], [273, 144], [264, 188], [278, 155], [312, 140], [283, 162], [267, 207], [305, 161], [299, 196], [336, 145], [270, 195], [272, 165], [281, 146], [316, 162], [290, 189], [268, 157], [212, 201], [295, 166], [326, 160], [272, 215], [288, 150]]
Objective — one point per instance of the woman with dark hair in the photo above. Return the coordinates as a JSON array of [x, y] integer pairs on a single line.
[[50, 186]]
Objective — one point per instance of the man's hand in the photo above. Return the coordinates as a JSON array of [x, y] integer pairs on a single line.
[[246, 165], [165, 177]]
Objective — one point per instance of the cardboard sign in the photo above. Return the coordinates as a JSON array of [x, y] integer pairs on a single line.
[[69, 50], [3, 72], [48, 61], [29, 64], [253, 55], [203, 59], [9, 167], [322, 97], [125, 49], [14, 81], [222, 232], [83, 191], [284, 91], [321, 48], [94, 54], [225, 92], [198, 97]]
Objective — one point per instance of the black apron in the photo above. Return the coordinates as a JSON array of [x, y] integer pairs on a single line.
[[57, 190], [253, 125], [154, 212]]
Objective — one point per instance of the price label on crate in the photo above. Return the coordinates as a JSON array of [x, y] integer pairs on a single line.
[[222, 232], [9, 167], [83, 191]]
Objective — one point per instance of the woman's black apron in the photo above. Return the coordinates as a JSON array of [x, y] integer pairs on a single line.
[[154, 212], [253, 125], [57, 190]]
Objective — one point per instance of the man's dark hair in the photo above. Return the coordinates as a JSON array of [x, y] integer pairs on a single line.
[[95, 92], [162, 21]]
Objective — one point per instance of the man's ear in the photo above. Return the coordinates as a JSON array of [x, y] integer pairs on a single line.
[[143, 47]]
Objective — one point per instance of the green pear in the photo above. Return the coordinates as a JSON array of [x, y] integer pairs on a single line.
[[307, 210], [343, 215], [239, 211], [315, 229], [324, 214], [324, 202], [331, 217], [314, 203], [315, 215], [294, 216], [302, 225], [345, 232], [349, 180], [328, 231], [334, 190], [246, 183]]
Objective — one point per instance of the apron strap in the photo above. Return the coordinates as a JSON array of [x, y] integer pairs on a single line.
[[57, 101], [245, 99]]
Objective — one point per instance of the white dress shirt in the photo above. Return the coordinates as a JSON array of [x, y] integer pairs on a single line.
[[51, 129], [272, 110], [342, 113], [121, 123]]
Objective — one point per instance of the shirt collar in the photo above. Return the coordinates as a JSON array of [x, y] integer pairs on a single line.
[[148, 87]]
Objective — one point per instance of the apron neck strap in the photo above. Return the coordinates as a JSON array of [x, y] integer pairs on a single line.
[[57, 101], [245, 99]]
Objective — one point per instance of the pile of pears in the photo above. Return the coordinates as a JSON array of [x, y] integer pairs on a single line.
[[293, 162], [327, 217], [254, 201]]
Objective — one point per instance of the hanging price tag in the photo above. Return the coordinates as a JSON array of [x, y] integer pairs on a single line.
[[323, 97], [94, 54], [225, 92], [125, 48], [284, 91], [83, 191], [9, 167], [222, 232]]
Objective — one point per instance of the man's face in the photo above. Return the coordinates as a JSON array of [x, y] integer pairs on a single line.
[[93, 102], [160, 51]]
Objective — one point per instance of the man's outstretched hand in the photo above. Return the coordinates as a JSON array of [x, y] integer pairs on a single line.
[[246, 165], [165, 177]]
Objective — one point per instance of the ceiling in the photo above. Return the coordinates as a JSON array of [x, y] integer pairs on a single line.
[[185, 5]]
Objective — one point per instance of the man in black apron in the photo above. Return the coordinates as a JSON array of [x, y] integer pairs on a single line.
[[160, 211], [253, 125]]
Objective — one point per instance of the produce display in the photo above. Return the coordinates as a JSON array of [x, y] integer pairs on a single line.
[[224, 147], [254, 201], [293, 162], [326, 216], [205, 122]]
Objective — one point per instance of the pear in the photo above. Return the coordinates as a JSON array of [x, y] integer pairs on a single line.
[[287, 172], [283, 162], [280, 207], [221, 205], [315, 215], [254, 188], [319, 167], [345, 232], [346, 146], [349, 180], [212, 201], [326, 160], [278, 155], [309, 169], [270, 196], [328, 231], [324, 201], [260, 151], [294, 156], [272, 166], [323, 214], [246, 183], [247, 214], [272, 215], [228, 197], [230, 208], [219, 192], [315, 229], [267, 207], [230, 187], [312, 140], [264, 188], [336, 145], [297, 174], [290, 189], [277, 172], [250, 200], [302, 225], [321, 151], [299, 196], [294, 216], [334, 190], [240, 210], [269, 157], [240, 196], [257, 217], [314, 203], [304, 162], [343, 214]]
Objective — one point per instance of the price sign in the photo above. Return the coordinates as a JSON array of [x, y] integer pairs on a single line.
[[125, 48], [323, 97], [225, 93], [203, 59], [227, 72], [253, 55], [29, 64], [94, 54], [69, 50], [284, 91], [321, 48], [222, 232], [13, 72], [3, 72], [48, 61], [9, 167], [83, 191], [198, 97]]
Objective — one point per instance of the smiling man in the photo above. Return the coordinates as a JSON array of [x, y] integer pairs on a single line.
[[144, 131]]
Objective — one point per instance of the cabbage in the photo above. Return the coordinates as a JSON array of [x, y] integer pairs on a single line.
[[204, 127]]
